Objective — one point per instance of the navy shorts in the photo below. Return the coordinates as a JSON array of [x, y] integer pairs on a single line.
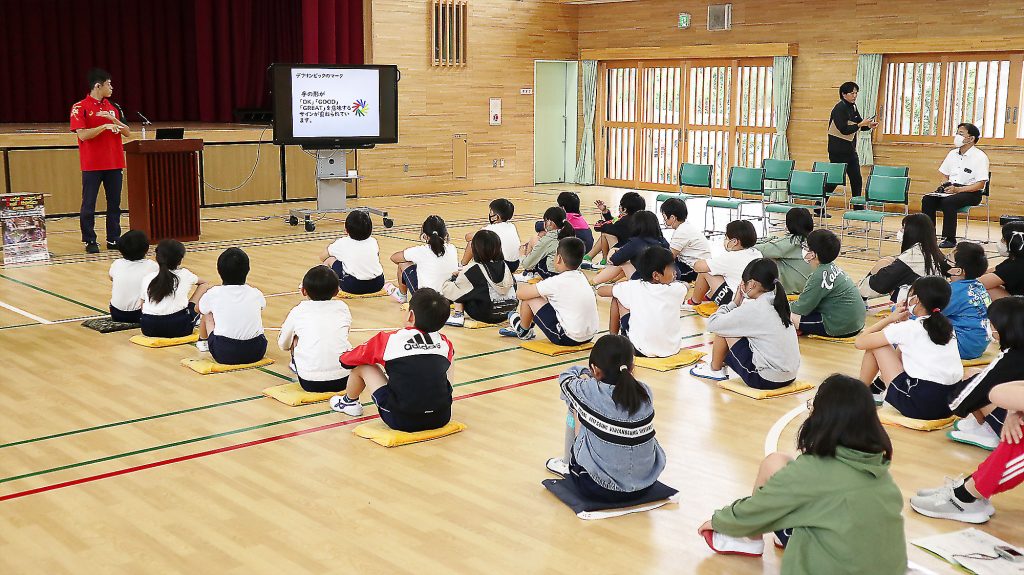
[[685, 273], [588, 488], [230, 351], [618, 229], [410, 279], [353, 285], [542, 269], [333, 385], [546, 320], [918, 398], [587, 236], [177, 324], [512, 266], [125, 316], [722, 295], [814, 324], [408, 422], [996, 419], [741, 359]]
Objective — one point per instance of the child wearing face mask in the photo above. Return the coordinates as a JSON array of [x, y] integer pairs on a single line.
[[912, 364], [968, 304], [499, 216], [830, 303], [719, 276], [1008, 277], [538, 255], [754, 334]]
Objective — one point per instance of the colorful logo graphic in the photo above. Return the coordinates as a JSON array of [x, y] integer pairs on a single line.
[[359, 107]]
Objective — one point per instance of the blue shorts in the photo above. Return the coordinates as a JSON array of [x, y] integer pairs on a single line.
[[918, 398], [229, 351], [685, 273], [125, 316], [330, 386], [408, 422], [353, 285], [814, 324], [546, 321], [410, 279], [741, 359], [177, 324], [588, 488]]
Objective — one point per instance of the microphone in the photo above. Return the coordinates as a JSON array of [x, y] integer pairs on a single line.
[[145, 120], [120, 110]]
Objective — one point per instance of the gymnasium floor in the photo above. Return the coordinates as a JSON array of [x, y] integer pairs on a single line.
[[115, 459]]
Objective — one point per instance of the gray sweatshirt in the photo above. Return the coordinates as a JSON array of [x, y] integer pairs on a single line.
[[774, 346]]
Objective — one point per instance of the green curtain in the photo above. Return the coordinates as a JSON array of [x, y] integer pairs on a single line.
[[869, 74], [782, 95], [585, 168]]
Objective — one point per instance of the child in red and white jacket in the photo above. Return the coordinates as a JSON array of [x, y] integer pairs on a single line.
[[407, 372]]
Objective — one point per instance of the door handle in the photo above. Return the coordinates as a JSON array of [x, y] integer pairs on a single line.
[[1015, 114], [1007, 120]]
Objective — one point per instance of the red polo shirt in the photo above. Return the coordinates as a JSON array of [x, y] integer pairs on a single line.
[[105, 151]]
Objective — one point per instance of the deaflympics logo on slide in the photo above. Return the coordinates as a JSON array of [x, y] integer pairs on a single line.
[[360, 108]]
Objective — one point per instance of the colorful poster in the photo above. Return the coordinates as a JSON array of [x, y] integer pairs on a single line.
[[23, 223]]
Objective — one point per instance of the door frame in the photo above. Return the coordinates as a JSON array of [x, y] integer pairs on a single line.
[[571, 110]]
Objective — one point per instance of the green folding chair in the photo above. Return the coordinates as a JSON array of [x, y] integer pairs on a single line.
[[890, 171], [690, 176], [882, 193], [803, 187], [984, 205], [835, 175], [744, 183], [777, 171]]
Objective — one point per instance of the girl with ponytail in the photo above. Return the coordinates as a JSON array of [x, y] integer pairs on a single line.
[[428, 265], [754, 334], [611, 453], [167, 310], [911, 359], [1008, 277], [538, 254]]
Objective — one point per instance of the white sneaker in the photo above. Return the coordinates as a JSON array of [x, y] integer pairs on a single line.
[[969, 423], [393, 291], [982, 436], [953, 483], [456, 319], [558, 466], [944, 505], [203, 345], [524, 277], [879, 398], [725, 545], [703, 370], [347, 406]]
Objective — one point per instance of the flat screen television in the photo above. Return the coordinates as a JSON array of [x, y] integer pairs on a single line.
[[322, 106]]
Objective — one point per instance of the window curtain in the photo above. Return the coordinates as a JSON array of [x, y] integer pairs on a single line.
[[782, 95], [869, 74], [585, 168]]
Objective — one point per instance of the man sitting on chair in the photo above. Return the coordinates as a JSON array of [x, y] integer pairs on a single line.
[[965, 170]]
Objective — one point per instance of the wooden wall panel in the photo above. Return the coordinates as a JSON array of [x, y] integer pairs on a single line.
[[228, 166], [54, 172]]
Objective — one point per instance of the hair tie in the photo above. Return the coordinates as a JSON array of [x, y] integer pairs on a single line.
[[623, 368], [936, 310], [433, 232]]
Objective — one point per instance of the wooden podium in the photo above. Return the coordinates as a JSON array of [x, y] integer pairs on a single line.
[[163, 188]]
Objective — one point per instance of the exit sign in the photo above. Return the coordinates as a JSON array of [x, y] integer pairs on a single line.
[[684, 20]]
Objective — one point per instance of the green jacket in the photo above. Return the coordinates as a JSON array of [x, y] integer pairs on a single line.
[[832, 293], [845, 513], [544, 249], [787, 252]]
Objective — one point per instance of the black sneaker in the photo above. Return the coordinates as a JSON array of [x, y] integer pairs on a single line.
[[92, 248], [111, 245], [947, 243]]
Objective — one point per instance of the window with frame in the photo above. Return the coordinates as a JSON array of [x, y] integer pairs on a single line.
[[448, 30]]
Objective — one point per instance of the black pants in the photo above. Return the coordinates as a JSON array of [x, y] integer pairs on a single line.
[[949, 205], [845, 152], [91, 180]]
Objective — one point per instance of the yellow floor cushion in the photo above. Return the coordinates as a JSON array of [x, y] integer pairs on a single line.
[[831, 339], [205, 366], [547, 348], [346, 295], [985, 359], [890, 416], [146, 341], [683, 358], [474, 324], [706, 309], [292, 394], [381, 434], [737, 386]]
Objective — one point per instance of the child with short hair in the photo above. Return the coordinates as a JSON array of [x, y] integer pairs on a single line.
[[570, 202], [126, 273], [719, 276], [167, 309], [499, 215], [969, 300], [231, 326], [356, 257], [835, 507], [612, 454], [485, 289], [787, 251], [830, 303], [1008, 277], [646, 234], [915, 360], [427, 265], [538, 255], [563, 306], [754, 334], [646, 310], [408, 372], [687, 243], [316, 332], [614, 231], [919, 256]]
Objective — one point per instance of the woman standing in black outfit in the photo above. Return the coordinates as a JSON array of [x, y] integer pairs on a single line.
[[843, 125]]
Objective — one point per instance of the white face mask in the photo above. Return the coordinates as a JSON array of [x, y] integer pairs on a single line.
[[958, 140], [988, 331], [1003, 250]]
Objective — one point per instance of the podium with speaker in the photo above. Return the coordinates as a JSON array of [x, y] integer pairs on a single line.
[[163, 188]]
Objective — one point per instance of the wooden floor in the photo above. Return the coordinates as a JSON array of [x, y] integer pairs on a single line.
[[115, 459]]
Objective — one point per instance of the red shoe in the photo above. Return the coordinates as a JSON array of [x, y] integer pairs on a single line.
[[725, 545]]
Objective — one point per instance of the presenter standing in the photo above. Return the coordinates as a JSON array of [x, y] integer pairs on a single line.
[[843, 125], [100, 128]]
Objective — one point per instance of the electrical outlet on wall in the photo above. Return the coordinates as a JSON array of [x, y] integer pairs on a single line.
[[494, 163], [405, 168], [502, 162]]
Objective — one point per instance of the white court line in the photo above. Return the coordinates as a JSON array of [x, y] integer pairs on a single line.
[[20, 311]]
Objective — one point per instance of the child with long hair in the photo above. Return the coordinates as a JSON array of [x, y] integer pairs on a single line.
[[916, 361], [919, 256], [835, 507], [611, 453], [570, 202], [754, 334], [1008, 277], [485, 289], [646, 233], [167, 309], [614, 231], [538, 255], [356, 257], [788, 251], [427, 265]]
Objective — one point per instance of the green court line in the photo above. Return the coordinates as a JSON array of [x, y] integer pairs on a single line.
[[56, 295], [20, 325]]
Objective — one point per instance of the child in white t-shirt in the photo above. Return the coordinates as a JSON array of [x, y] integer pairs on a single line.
[[499, 215], [687, 243], [231, 327], [356, 258], [126, 273], [916, 360], [428, 265], [562, 306], [316, 332], [167, 309], [719, 277], [646, 310]]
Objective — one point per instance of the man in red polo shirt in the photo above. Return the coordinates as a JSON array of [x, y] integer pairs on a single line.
[[99, 127]]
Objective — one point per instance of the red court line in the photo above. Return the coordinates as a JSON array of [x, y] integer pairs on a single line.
[[161, 463]]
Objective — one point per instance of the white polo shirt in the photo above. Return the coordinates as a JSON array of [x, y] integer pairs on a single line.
[[965, 169], [237, 310]]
